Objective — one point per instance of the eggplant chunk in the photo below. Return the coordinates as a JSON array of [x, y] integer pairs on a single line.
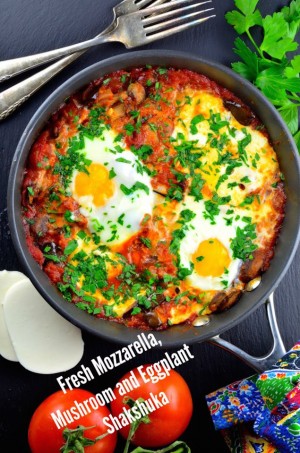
[[253, 268], [241, 113], [224, 300]]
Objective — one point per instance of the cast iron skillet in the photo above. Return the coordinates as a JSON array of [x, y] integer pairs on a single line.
[[289, 161]]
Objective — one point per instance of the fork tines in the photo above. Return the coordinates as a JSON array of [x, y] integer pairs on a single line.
[[154, 17], [148, 3]]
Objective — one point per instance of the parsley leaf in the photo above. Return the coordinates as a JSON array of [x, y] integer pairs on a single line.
[[249, 67], [247, 18], [265, 60], [196, 120], [276, 42], [136, 186], [72, 245], [146, 242], [294, 69]]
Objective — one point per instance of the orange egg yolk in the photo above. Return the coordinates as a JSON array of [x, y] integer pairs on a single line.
[[96, 183], [211, 258]]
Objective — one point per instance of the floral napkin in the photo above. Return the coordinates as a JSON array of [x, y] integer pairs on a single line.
[[261, 414]]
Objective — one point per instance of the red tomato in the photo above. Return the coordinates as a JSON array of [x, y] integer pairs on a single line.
[[167, 422], [45, 437]]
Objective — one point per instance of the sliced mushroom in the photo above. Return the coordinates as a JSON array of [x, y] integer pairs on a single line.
[[41, 225], [137, 91], [153, 319], [117, 111]]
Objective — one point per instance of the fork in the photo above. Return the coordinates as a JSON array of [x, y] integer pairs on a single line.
[[15, 96], [11, 68], [133, 29]]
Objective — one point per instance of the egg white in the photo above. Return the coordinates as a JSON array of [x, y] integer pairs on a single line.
[[121, 215]]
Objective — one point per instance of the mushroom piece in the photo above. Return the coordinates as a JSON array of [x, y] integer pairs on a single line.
[[137, 91], [117, 111], [153, 319]]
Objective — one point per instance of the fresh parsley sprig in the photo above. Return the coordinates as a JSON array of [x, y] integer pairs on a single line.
[[265, 60]]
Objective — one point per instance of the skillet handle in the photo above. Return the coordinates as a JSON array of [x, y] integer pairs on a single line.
[[258, 363]]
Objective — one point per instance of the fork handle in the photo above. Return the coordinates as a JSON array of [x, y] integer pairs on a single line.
[[10, 68], [16, 95]]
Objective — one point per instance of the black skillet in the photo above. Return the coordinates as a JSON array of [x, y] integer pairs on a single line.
[[287, 243]]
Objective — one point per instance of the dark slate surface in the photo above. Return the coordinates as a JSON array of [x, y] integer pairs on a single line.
[[33, 26]]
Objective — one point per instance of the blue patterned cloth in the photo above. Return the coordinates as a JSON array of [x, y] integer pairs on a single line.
[[261, 414]]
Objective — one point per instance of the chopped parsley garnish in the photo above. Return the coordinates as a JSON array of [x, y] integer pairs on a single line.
[[122, 159], [74, 159], [136, 186], [97, 225], [242, 245], [196, 187], [82, 234], [143, 152], [52, 257], [54, 197], [71, 247], [146, 242], [177, 235], [118, 138], [200, 258], [162, 71], [211, 211], [69, 216], [134, 113], [95, 125], [120, 219], [175, 192], [195, 121], [129, 128], [123, 77], [216, 123], [30, 191], [242, 146], [112, 173], [67, 231], [186, 216], [245, 179], [183, 272], [247, 200]]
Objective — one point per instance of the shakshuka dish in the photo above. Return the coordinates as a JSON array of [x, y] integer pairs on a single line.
[[152, 197]]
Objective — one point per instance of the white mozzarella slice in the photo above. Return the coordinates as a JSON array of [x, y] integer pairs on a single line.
[[7, 280], [43, 340]]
